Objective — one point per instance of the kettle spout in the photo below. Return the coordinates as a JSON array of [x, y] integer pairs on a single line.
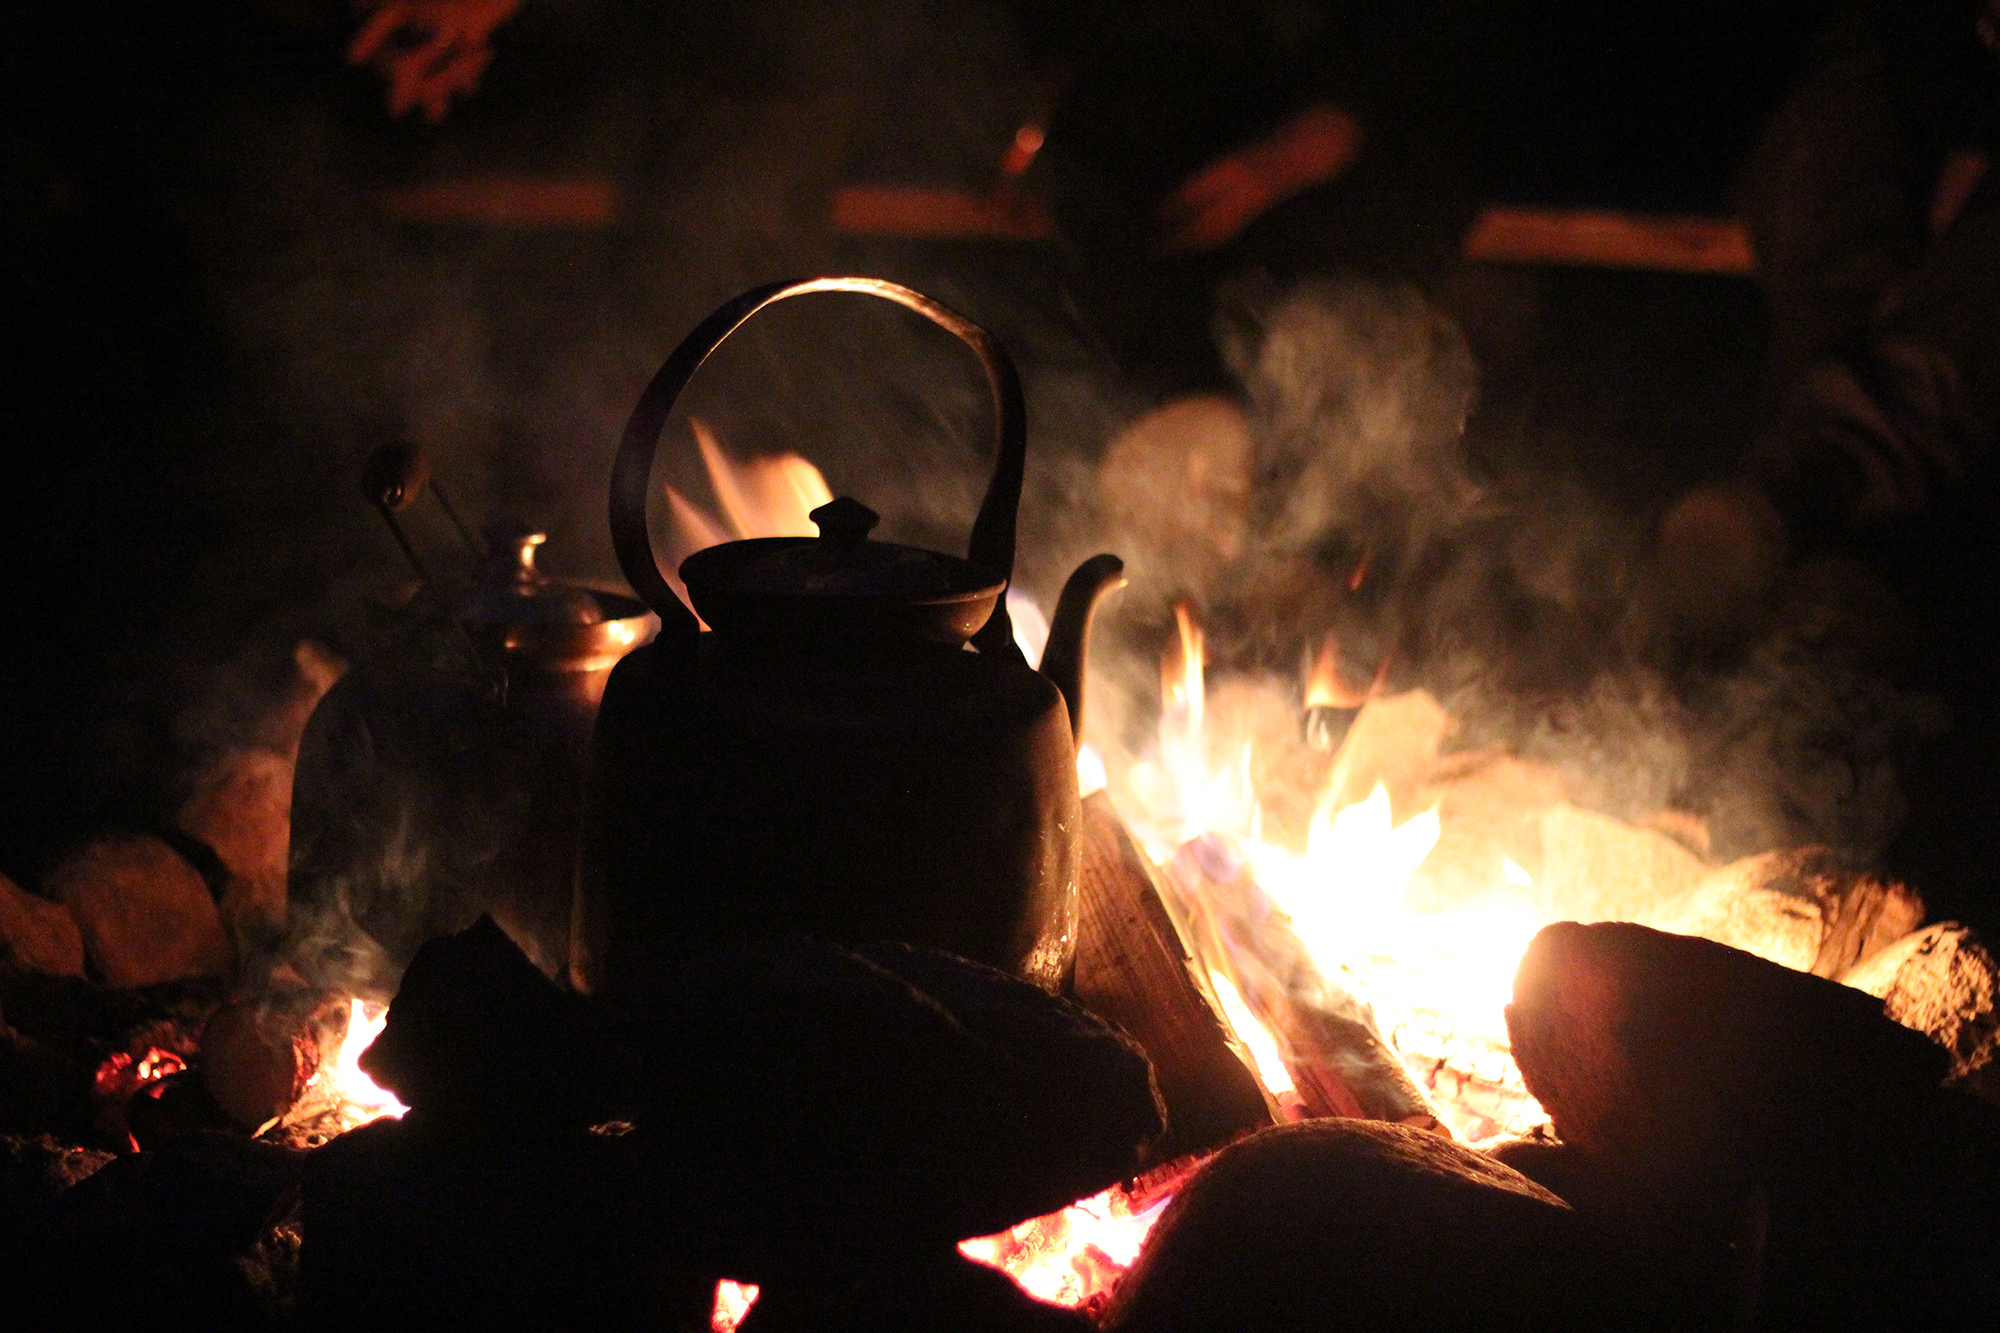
[[1069, 632]]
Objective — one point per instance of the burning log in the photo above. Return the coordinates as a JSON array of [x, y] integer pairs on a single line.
[[253, 1067], [37, 935], [1347, 1224], [1133, 970], [1799, 907], [1686, 1078], [145, 914], [1942, 982], [1329, 1039]]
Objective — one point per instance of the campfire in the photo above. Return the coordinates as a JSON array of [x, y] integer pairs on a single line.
[[1370, 976]]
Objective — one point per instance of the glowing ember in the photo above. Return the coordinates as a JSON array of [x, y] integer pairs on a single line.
[[732, 1301], [1073, 1258]]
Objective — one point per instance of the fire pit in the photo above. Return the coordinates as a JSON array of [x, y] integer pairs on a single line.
[[1335, 978]]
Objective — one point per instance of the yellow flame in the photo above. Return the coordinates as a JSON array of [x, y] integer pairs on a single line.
[[1436, 982], [369, 1102], [762, 497], [1263, 1047], [1324, 686], [732, 1301]]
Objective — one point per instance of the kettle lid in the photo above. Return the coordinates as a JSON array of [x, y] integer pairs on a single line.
[[509, 590], [780, 582]]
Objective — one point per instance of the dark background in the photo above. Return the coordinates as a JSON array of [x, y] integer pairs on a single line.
[[210, 324]]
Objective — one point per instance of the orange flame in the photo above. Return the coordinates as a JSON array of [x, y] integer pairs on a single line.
[[760, 497], [1325, 687], [1436, 982], [364, 1100]]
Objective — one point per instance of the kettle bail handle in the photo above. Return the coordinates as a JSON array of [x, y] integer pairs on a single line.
[[992, 544]]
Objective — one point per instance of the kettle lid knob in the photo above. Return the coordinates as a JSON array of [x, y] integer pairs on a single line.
[[844, 521]]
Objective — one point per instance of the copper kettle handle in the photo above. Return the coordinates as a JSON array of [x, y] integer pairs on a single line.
[[992, 545]]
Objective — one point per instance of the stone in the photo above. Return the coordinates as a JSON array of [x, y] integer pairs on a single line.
[[1358, 1224], [144, 913], [243, 812], [37, 935], [1703, 1094], [1755, 905]]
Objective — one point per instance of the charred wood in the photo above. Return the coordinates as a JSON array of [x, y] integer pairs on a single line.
[[1332, 1047], [812, 1113]]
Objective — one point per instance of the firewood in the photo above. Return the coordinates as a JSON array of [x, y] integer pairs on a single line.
[[1942, 982], [1761, 904], [1336, 1056], [1802, 907], [145, 914], [253, 1063], [37, 935], [1132, 969], [1863, 915], [1348, 1224], [1066, 1058]]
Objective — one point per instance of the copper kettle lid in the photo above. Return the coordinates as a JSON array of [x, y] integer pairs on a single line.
[[509, 590]]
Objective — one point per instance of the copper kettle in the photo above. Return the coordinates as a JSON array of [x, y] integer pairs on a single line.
[[855, 749]]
